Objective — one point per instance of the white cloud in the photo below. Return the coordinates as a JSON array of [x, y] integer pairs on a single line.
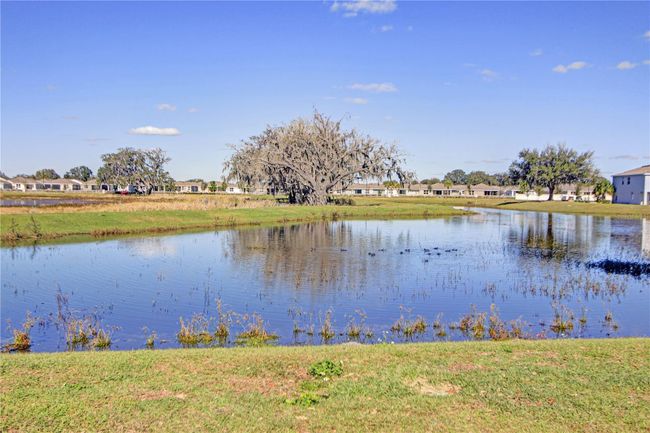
[[374, 87], [386, 28], [647, 35], [192, 110], [153, 130], [561, 69], [626, 65], [166, 107], [51, 88], [488, 74], [356, 101], [409, 28], [536, 53], [355, 7], [646, 62]]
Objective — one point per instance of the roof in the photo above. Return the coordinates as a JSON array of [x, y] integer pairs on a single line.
[[20, 179], [644, 169], [187, 183]]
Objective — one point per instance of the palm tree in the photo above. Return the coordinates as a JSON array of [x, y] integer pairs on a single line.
[[602, 187]]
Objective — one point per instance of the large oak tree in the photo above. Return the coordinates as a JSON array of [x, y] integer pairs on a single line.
[[552, 166], [309, 158]]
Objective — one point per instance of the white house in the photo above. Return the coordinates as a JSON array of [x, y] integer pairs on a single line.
[[632, 186]]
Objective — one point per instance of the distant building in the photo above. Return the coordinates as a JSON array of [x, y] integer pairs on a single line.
[[632, 186], [189, 187]]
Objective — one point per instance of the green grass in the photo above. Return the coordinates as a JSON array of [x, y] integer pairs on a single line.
[[76, 226], [597, 209], [514, 386]]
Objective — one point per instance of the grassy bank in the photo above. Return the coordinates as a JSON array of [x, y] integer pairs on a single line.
[[156, 216], [102, 215], [596, 209], [514, 386]]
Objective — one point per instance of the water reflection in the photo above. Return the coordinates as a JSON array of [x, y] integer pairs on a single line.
[[529, 264]]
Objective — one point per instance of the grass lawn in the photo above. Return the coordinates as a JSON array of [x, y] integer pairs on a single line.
[[597, 209], [513, 386]]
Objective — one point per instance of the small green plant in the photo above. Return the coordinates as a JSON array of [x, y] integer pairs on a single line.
[[306, 399], [326, 369], [35, 227], [13, 234]]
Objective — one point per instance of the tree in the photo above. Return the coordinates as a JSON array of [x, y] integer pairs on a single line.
[[391, 184], [212, 187], [448, 183], [308, 158], [476, 177], [602, 187], [143, 169], [430, 181], [457, 177], [81, 172], [46, 173], [501, 179], [552, 166]]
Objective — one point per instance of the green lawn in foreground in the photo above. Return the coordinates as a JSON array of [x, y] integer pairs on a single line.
[[75, 224], [514, 386]]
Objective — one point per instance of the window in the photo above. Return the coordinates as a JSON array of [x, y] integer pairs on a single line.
[[628, 180], [358, 191]]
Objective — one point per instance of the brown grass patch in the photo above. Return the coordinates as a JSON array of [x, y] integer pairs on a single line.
[[423, 386], [463, 367], [159, 395]]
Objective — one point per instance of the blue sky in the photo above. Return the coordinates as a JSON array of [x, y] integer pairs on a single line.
[[456, 85]]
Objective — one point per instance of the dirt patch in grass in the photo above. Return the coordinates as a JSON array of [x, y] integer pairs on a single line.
[[463, 367], [265, 385], [160, 394], [423, 386]]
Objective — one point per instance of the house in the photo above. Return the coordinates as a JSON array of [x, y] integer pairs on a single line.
[[632, 186], [61, 185], [25, 184], [6, 184], [189, 187]]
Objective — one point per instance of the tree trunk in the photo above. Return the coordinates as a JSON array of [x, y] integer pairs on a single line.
[[551, 190]]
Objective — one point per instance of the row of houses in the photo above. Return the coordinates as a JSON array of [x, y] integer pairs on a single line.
[[26, 184], [563, 192], [632, 187]]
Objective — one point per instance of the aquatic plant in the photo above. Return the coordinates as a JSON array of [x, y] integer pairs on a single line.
[[327, 329], [22, 341], [194, 332], [78, 332], [101, 340], [255, 333]]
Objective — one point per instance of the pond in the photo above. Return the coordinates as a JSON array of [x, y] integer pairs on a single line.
[[42, 202], [531, 266]]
